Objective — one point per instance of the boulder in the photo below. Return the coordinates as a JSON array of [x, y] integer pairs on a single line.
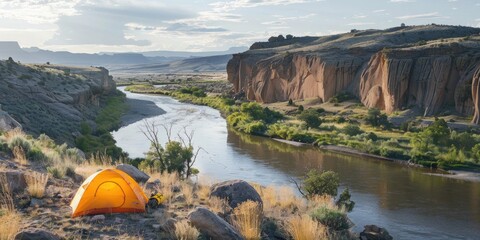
[[16, 180], [136, 174], [373, 232], [212, 225], [169, 225], [36, 234], [236, 192]]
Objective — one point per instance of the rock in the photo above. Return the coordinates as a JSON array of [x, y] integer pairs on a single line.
[[179, 198], [35, 202], [16, 180], [373, 232], [36, 234], [156, 227], [236, 192], [176, 189], [152, 186], [97, 218], [212, 225], [7, 122], [136, 174], [169, 225]]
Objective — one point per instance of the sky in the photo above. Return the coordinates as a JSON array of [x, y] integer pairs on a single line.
[[208, 25]]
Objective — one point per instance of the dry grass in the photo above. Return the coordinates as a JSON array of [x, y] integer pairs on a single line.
[[10, 219], [305, 228], [17, 132], [218, 205], [280, 201], [93, 164], [247, 219], [19, 155], [321, 201], [10, 222], [36, 183], [187, 191], [184, 231], [203, 192]]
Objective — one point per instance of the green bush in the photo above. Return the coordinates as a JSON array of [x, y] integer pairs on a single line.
[[352, 130], [336, 220], [321, 183], [311, 118], [345, 202], [19, 141], [35, 154]]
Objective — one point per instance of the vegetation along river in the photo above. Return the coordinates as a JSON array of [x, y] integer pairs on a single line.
[[408, 202]]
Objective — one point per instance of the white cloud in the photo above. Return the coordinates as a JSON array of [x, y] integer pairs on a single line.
[[37, 12], [379, 11], [235, 4], [432, 15], [401, 1], [360, 23]]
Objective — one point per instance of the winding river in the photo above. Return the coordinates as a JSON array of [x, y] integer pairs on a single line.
[[410, 203]]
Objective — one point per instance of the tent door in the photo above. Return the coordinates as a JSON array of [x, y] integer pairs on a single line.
[[109, 195]]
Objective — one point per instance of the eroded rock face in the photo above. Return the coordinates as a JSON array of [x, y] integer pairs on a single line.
[[390, 69]]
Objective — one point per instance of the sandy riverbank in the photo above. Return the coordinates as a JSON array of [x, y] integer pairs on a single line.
[[139, 110]]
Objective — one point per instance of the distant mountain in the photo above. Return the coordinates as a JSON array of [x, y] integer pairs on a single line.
[[189, 65], [231, 50], [113, 60]]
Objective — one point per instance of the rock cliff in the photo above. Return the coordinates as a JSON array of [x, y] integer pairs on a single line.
[[52, 99], [432, 67]]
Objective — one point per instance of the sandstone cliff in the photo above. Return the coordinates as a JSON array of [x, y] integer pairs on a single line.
[[52, 99], [431, 67]]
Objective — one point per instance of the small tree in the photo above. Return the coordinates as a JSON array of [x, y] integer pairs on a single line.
[[289, 36], [311, 118], [376, 118], [345, 202], [290, 102], [300, 108], [321, 183]]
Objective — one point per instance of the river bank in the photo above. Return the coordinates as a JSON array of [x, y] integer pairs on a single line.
[[388, 147], [407, 201]]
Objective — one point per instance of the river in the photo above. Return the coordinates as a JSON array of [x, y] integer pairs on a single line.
[[408, 202]]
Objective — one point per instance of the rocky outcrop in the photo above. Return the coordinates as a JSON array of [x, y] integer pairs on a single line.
[[235, 192], [476, 95], [42, 96], [134, 172], [212, 225], [7, 122], [431, 67], [372, 232]]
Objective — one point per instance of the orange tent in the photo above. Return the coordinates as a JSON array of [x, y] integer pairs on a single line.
[[108, 191]]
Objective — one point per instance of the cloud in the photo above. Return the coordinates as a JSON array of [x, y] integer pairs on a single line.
[[235, 4], [402, 1], [432, 15], [360, 23], [379, 11], [104, 23], [187, 28], [37, 11]]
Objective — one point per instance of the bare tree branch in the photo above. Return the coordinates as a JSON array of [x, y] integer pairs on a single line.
[[292, 180]]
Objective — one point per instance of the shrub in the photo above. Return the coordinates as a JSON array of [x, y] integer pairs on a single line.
[[311, 118], [247, 219], [300, 108], [35, 154], [352, 130], [321, 183], [376, 118], [19, 141], [344, 201], [334, 219], [305, 228]]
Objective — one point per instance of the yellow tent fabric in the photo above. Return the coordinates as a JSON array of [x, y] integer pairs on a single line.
[[108, 191]]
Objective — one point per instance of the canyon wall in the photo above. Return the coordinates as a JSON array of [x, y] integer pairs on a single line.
[[433, 75]]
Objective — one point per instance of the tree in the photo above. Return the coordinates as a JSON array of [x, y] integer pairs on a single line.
[[311, 118], [352, 130], [321, 183], [280, 38], [438, 131], [177, 156], [289, 36], [376, 118]]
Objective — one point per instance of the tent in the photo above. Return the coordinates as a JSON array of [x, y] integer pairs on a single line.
[[108, 191]]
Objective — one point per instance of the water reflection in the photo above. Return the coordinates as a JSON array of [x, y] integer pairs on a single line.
[[408, 202], [403, 198]]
